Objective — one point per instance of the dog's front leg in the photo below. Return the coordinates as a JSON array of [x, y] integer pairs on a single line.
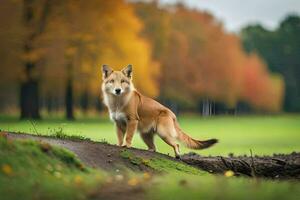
[[120, 133], [131, 129]]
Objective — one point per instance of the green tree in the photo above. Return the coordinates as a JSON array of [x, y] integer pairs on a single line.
[[280, 49]]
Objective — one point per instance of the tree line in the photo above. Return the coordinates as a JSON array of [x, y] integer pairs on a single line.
[[51, 53], [280, 49]]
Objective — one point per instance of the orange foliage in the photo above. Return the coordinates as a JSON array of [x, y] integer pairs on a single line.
[[190, 50], [261, 90], [98, 32], [200, 60]]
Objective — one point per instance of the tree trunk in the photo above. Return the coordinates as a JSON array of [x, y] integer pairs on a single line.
[[49, 103], [69, 100], [29, 100], [206, 108], [84, 101], [29, 90], [29, 96], [29, 93]]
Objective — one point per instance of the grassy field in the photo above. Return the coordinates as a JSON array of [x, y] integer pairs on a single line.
[[34, 170], [219, 187], [27, 171], [262, 134]]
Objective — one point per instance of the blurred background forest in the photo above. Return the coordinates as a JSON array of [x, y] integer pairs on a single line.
[[52, 51]]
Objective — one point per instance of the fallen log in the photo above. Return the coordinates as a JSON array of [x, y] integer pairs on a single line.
[[278, 166]]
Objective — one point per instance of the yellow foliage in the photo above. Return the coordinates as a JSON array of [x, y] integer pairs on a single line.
[[121, 45], [33, 56], [107, 32], [70, 51]]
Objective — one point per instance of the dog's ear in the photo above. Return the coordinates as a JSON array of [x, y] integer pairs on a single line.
[[106, 71], [127, 71]]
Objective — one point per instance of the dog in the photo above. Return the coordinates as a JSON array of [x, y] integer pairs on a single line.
[[132, 111]]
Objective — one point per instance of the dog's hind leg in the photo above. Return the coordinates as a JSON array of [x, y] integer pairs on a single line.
[[167, 132], [148, 139]]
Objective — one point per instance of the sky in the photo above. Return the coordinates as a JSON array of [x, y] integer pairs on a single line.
[[236, 14]]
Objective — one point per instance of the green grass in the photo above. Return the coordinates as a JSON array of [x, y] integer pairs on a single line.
[[262, 134], [178, 186], [32, 170], [160, 164], [61, 135]]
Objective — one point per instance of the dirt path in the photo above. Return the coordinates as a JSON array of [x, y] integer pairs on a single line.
[[96, 154], [107, 157]]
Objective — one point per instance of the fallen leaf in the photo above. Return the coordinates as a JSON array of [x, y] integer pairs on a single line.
[[229, 173], [133, 181], [146, 176]]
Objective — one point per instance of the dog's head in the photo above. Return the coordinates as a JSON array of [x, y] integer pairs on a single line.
[[117, 83]]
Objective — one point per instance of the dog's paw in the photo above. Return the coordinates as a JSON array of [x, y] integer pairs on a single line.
[[126, 145], [153, 150]]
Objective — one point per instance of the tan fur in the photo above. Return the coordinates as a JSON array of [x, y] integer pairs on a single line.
[[132, 111]]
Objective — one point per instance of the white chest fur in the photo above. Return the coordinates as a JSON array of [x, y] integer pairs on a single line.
[[115, 105], [117, 116]]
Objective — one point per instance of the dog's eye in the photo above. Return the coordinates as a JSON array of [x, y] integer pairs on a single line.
[[112, 81], [123, 81]]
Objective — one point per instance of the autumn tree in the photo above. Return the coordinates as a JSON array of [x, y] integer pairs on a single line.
[[180, 55], [200, 61], [259, 89], [98, 32], [36, 16]]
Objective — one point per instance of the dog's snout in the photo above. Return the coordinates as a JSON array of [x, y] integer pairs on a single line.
[[118, 91]]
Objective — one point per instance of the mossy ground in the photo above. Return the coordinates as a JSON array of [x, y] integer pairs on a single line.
[[33, 170], [160, 164]]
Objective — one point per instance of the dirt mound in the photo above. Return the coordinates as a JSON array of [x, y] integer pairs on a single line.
[[278, 166], [109, 157], [97, 154]]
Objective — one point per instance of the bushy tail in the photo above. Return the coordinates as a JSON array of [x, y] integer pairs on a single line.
[[193, 143]]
